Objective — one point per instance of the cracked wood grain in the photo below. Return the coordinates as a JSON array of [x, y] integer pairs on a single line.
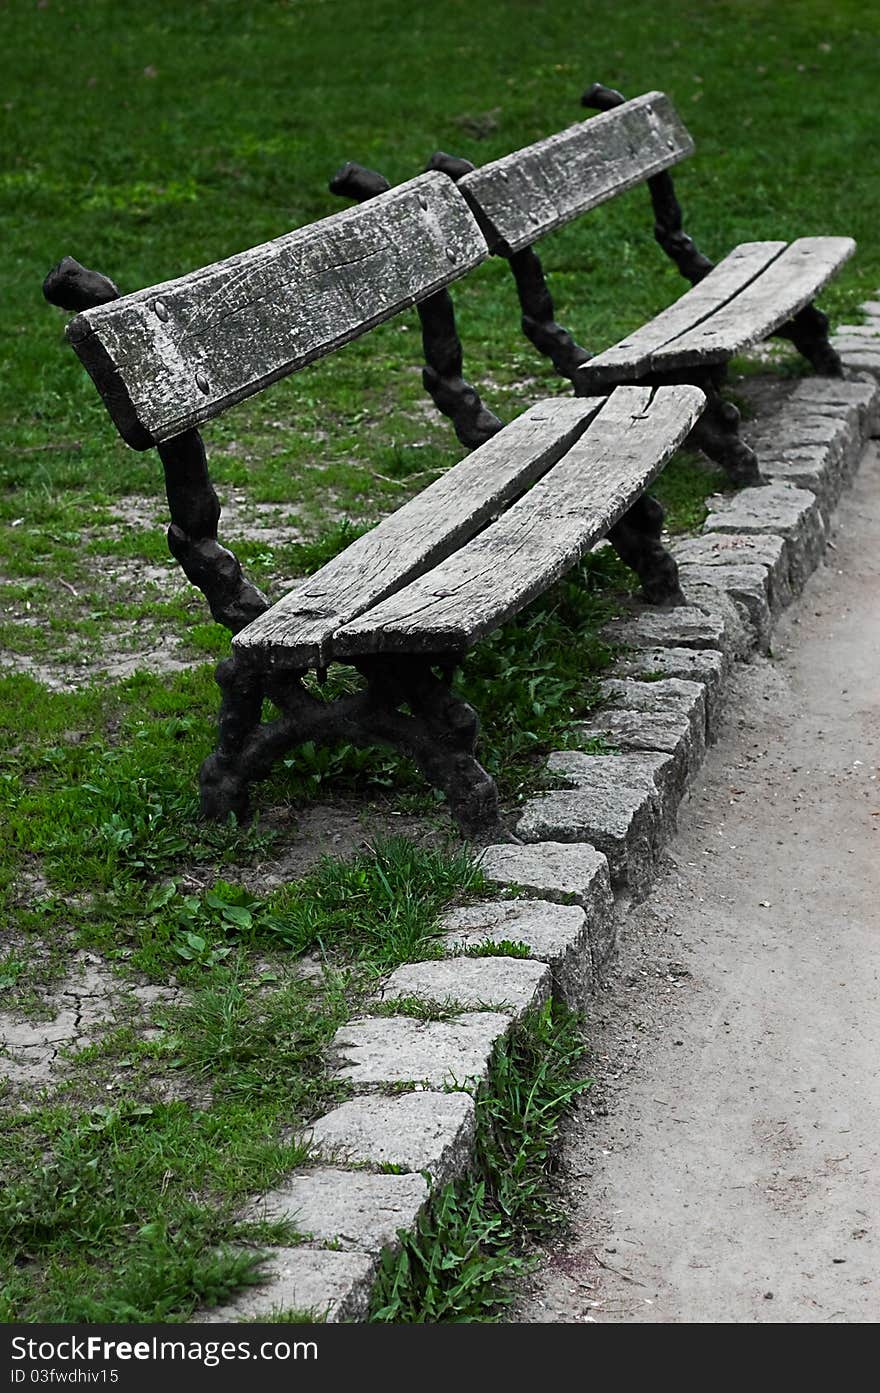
[[540, 537], [523, 196], [789, 283], [748, 295], [298, 630], [632, 356]]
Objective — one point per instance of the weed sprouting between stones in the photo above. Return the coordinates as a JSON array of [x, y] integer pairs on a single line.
[[380, 908], [469, 1246]]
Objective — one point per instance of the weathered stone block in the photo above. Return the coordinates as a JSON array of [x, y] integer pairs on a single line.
[[738, 549], [560, 935], [704, 665], [858, 341], [622, 804], [858, 356], [513, 985], [815, 440], [837, 396], [806, 467], [420, 1131], [687, 626], [565, 874], [397, 1049], [685, 698], [739, 635], [332, 1285], [863, 333], [669, 716], [789, 512], [859, 344], [746, 586], [354, 1209], [797, 426]]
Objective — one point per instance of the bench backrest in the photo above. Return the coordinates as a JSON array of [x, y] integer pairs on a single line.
[[527, 194], [170, 357]]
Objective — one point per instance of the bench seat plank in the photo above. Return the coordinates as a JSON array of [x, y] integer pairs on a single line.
[[750, 293], [789, 283], [633, 354], [297, 631], [528, 193], [540, 537], [174, 355]]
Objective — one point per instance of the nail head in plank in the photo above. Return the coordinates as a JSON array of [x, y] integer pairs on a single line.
[[296, 631], [526, 194], [172, 356]]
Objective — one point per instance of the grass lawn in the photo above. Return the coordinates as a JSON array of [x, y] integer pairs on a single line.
[[145, 141]]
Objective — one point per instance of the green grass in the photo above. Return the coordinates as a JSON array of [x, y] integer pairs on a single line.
[[148, 140], [379, 908], [153, 1140], [130, 1213]]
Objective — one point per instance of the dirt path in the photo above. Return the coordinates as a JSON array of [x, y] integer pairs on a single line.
[[726, 1169]]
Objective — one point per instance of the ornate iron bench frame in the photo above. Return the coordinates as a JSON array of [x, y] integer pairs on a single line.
[[404, 602]]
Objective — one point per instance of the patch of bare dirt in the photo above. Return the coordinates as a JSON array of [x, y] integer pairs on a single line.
[[126, 649], [240, 519], [725, 1168], [90, 999], [125, 646], [309, 833], [764, 394]]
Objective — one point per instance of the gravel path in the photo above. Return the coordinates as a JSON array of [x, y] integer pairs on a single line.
[[725, 1169]]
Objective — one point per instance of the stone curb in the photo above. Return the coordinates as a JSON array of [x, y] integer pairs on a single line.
[[590, 845]]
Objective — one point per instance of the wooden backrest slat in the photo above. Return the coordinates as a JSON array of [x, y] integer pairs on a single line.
[[522, 196], [174, 355]]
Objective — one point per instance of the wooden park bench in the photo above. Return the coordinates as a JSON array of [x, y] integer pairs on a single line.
[[404, 602], [760, 289]]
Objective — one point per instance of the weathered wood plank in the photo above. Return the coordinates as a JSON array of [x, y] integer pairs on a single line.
[[789, 283], [297, 630], [631, 357], [174, 355], [540, 537], [526, 194]]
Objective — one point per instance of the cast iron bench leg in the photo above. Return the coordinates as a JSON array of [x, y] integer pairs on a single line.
[[222, 778], [440, 735], [438, 731], [808, 331], [717, 435], [636, 539], [538, 322]]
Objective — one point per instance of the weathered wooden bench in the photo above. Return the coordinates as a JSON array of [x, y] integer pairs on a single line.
[[403, 603], [760, 289]]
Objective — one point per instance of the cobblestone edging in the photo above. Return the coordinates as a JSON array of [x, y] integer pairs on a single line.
[[590, 847]]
